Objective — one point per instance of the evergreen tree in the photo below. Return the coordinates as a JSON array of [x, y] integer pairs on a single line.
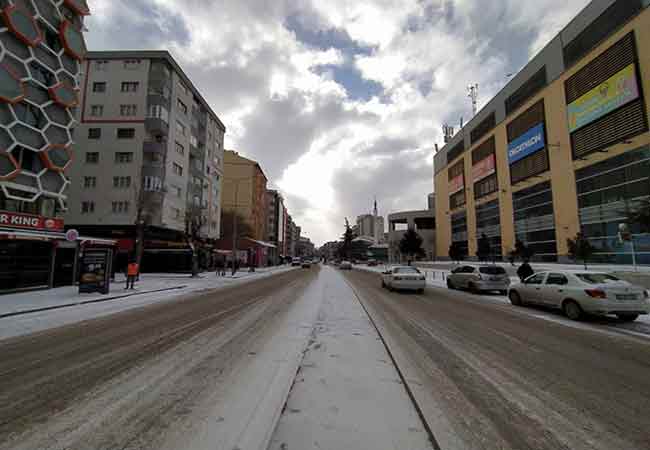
[[411, 244]]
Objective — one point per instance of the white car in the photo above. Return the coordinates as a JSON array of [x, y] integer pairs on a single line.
[[580, 292], [404, 278], [296, 262], [478, 279], [345, 265]]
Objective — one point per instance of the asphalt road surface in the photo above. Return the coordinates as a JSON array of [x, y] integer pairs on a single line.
[[492, 376], [140, 378]]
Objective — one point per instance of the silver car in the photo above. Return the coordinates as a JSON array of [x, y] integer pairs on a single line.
[[345, 265], [580, 292], [404, 278], [478, 279]]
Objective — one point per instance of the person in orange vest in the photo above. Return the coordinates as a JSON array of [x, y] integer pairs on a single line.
[[132, 272]]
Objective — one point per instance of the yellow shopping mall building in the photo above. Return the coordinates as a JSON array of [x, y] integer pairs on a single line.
[[563, 148]]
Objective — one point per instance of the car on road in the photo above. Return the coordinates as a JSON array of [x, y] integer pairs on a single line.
[[372, 263], [345, 265], [296, 262], [306, 264], [478, 279], [582, 292], [406, 278]]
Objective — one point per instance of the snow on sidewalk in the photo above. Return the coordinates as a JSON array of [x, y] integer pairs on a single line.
[[147, 292], [348, 394]]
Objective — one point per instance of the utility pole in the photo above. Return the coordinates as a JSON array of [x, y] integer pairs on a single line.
[[472, 92]]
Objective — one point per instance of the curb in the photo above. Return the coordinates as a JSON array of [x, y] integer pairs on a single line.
[[86, 302]]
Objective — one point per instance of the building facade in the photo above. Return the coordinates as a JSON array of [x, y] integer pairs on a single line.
[[422, 222], [563, 148], [371, 226], [150, 151], [42, 49], [244, 191]]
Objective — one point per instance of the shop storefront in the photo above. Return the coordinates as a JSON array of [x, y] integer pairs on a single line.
[[35, 253]]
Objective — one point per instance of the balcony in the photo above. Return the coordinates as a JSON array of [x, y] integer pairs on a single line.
[[155, 147], [156, 125]]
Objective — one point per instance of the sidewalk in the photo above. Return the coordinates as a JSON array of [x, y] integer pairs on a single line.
[[36, 301]]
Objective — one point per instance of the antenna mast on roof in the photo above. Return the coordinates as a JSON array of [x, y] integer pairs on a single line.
[[472, 92], [448, 132]]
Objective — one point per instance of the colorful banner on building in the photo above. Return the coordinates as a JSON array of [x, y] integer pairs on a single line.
[[456, 184], [528, 143], [484, 168], [28, 221], [617, 91]]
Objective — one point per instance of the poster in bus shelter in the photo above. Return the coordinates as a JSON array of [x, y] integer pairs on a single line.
[[95, 271]]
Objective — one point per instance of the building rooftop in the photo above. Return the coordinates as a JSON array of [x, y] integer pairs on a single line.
[[157, 54]]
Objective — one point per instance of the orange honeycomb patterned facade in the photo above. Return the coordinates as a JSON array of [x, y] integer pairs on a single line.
[[41, 46]]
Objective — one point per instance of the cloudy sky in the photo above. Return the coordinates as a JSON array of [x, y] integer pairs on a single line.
[[339, 100]]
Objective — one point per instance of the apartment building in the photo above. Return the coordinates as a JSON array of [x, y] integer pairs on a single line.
[[150, 149], [563, 148], [244, 191], [42, 47]]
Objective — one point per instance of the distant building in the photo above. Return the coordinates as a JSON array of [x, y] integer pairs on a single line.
[[244, 192], [431, 201], [305, 248], [423, 222]]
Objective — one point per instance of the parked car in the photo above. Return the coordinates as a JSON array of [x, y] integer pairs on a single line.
[[583, 292], [372, 263], [296, 262], [404, 278], [306, 264], [479, 279], [345, 265]]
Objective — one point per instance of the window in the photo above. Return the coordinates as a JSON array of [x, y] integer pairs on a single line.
[[557, 279], [120, 207], [193, 141], [177, 169], [99, 87], [101, 66], [596, 278], [94, 133], [177, 191], [87, 207], [180, 149], [97, 110], [180, 128], [131, 64], [483, 128], [493, 270], [92, 157], [182, 107], [536, 279], [527, 90], [128, 110], [122, 182], [90, 182], [125, 133], [123, 157], [152, 183], [184, 88], [159, 112], [130, 86]]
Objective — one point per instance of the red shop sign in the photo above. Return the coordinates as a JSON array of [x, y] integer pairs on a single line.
[[456, 184], [483, 168], [18, 220]]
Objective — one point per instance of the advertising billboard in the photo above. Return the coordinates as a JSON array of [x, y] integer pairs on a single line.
[[619, 90], [456, 184], [528, 143], [28, 221], [484, 168]]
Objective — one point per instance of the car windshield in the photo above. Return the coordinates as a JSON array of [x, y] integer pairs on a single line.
[[406, 270], [494, 270], [597, 278]]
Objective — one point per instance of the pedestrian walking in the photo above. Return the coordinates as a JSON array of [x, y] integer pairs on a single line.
[[132, 272], [221, 270], [525, 271]]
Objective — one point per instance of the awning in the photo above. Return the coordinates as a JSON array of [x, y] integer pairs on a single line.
[[262, 243]]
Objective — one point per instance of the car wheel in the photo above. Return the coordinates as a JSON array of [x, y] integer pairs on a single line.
[[572, 310], [450, 285], [627, 317], [515, 298]]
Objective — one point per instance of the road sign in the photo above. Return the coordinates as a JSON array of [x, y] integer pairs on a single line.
[[71, 235]]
